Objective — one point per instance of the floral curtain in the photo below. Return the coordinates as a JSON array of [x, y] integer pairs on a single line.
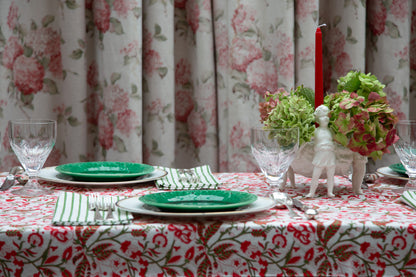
[[178, 83]]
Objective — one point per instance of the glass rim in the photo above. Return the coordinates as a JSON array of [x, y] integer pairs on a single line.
[[32, 121], [406, 121], [271, 129]]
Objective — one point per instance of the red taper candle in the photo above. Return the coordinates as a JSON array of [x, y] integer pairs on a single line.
[[319, 71]]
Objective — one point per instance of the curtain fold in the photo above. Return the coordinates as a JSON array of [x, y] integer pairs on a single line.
[[158, 122], [178, 83]]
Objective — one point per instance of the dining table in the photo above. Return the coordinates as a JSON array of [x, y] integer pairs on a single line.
[[373, 234]]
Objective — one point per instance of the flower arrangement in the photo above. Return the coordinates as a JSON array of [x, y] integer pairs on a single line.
[[360, 116], [283, 109]]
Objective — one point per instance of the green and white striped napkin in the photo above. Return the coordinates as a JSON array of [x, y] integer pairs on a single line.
[[174, 179], [73, 209], [409, 197]]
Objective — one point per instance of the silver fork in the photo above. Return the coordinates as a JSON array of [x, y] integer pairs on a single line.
[[183, 175], [109, 205], [289, 205], [192, 174], [284, 199], [94, 206]]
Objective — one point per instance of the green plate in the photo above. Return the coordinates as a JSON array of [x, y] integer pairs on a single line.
[[199, 200], [104, 171], [399, 168]]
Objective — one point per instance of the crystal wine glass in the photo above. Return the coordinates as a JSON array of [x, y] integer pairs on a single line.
[[274, 151], [32, 142], [406, 149]]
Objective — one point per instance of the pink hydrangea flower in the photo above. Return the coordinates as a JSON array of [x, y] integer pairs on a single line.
[[45, 42], [335, 41], [192, 14], [127, 121], [399, 9], [12, 50], [151, 62], [147, 40], [155, 107], [377, 20], [238, 135], [197, 129], [122, 7], [28, 75], [243, 19], [182, 72], [92, 75], [184, 105], [343, 64], [243, 52], [55, 65], [94, 108], [105, 131], [12, 16], [102, 14], [262, 76], [221, 43], [286, 66], [305, 8]]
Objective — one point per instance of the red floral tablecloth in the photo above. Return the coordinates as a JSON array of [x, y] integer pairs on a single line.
[[368, 235]]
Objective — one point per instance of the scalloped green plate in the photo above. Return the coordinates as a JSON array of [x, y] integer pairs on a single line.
[[399, 168], [104, 171], [199, 200]]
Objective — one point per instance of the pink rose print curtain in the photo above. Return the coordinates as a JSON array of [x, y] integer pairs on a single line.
[[177, 83]]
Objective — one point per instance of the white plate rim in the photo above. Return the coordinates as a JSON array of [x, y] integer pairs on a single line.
[[50, 174], [388, 172], [134, 205]]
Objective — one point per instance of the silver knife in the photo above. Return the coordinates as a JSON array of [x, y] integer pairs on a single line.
[[309, 211], [8, 183]]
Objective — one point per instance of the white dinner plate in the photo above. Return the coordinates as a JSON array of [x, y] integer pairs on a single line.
[[388, 172], [134, 205], [50, 174]]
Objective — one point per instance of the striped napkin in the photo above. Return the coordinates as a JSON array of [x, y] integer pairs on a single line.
[[409, 197], [174, 179], [73, 209]]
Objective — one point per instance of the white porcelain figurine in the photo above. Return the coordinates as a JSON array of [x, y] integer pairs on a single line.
[[324, 157]]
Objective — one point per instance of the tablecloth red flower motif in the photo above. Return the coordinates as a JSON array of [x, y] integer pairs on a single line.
[[369, 235]]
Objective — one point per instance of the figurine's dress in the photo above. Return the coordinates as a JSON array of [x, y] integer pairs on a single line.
[[324, 149]]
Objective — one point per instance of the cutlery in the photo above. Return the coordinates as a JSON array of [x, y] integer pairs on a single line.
[[192, 174], [22, 178], [309, 212], [283, 198], [9, 181], [95, 206], [188, 175], [182, 175], [109, 206]]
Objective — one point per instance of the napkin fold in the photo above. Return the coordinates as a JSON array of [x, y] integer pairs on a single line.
[[73, 209], [174, 179], [409, 197]]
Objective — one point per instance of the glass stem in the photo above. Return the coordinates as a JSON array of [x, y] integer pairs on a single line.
[[33, 180], [411, 185], [273, 187]]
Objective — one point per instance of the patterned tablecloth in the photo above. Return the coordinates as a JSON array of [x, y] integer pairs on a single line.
[[368, 235]]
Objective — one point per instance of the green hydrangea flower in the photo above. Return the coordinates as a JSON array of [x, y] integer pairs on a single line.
[[360, 116], [360, 83], [289, 110]]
